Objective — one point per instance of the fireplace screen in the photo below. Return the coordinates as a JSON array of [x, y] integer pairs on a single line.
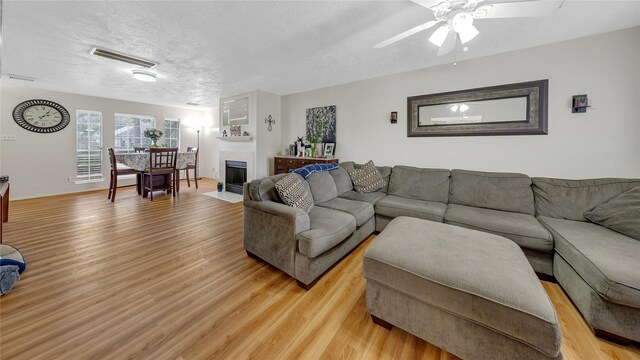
[[235, 175]]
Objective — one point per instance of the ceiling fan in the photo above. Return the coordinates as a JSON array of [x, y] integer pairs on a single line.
[[456, 18]]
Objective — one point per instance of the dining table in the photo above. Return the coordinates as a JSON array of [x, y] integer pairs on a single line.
[[140, 162]]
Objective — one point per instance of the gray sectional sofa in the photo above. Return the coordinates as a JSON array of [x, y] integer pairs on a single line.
[[305, 245], [598, 268]]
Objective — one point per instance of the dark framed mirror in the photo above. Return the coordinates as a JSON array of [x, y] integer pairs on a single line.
[[513, 109]]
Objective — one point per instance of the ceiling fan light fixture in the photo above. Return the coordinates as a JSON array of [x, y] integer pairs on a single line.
[[482, 11], [454, 107], [461, 21], [143, 75], [468, 33], [464, 107], [439, 36]]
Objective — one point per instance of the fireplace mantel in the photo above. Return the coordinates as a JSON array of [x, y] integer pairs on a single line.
[[235, 138]]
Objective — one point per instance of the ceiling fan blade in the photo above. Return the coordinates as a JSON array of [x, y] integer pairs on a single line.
[[405, 34], [439, 36], [427, 3], [521, 9], [468, 33], [449, 43]]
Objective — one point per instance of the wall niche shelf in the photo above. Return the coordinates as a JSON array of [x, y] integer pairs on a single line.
[[235, 138]]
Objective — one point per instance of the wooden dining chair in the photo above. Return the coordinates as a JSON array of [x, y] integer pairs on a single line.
[[140, 149], [192, 166], [162, 163], [115, 172]]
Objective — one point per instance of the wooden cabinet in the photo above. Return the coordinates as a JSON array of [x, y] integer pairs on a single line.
[[4, 207], [282, 164]]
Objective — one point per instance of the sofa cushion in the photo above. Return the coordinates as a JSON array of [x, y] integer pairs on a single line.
[[294, 191], [367, 179], [570, 199], [348, 165], [264, 189], [342, 180], [394, 206], [361, 210], [385, 171], [328, 228], [523, 229], [371, 198], [421, 184], [621, 214], [605, 259], [499, 191], [322, 186]]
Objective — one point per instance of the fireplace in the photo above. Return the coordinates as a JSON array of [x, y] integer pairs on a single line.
[[235, 176]]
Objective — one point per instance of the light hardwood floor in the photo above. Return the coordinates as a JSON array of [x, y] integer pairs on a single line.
[[169, 279]]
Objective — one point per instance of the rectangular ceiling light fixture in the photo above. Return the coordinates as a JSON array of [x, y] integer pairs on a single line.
[[20, 77], [113, 55]]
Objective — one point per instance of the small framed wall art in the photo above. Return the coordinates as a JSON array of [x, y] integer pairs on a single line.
[[394, 117], [579, 103], [329, 149]]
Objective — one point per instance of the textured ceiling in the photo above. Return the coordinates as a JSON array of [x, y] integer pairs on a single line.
[[218, 48]]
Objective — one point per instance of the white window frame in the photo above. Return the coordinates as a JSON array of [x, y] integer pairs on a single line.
[[166, 138], [144, 141], [91, 177]]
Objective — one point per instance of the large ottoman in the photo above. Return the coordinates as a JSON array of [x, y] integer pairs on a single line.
[[470, 293]]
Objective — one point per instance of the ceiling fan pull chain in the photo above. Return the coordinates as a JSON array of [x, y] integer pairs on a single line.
[[455, 51]]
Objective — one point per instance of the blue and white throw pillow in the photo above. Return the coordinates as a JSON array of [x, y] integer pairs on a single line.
[[307, 170]]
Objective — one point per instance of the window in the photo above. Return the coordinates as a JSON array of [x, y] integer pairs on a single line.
[[172, 132], [129, 131], [88, 145]]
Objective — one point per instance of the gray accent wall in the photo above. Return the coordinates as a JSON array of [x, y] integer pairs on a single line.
[[603, 142]]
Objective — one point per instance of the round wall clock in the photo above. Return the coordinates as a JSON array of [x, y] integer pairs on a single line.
[[41, 116]]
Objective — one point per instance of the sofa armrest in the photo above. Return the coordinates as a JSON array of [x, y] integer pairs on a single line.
[[299, 217], [270, 231]]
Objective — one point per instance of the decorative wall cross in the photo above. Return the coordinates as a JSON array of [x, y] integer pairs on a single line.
[[269, 120]]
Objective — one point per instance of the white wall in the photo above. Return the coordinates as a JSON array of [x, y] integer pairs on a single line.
[[38, 164], [241, 150], [258, 152], [209, 154], [268, 142], [605, 141]]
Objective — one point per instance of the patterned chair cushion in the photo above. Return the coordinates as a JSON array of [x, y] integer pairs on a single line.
[[295, 192], [367, 179]]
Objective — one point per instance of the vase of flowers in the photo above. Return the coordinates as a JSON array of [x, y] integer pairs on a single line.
[[154, 135]]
